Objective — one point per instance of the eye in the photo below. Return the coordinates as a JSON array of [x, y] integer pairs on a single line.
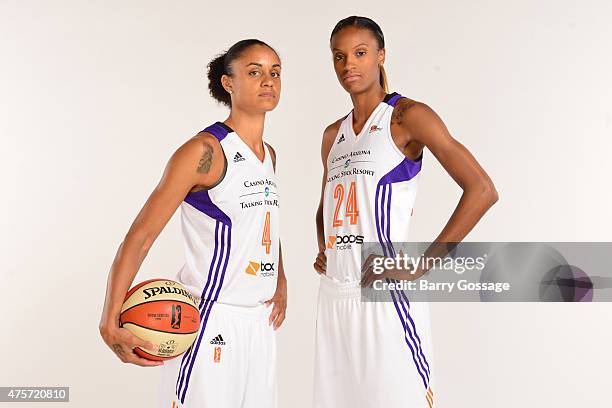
[[254, 73], [338, 57], [361, 53], [276, 74]]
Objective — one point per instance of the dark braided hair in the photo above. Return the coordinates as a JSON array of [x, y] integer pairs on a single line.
[[222, 65]]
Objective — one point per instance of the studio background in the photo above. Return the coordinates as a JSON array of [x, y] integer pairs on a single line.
[[95, 96]]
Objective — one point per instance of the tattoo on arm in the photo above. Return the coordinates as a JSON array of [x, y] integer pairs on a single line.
[[400, 109], [206, 160], [118, 350]]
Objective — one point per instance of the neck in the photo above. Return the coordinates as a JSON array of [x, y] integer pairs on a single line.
[[249, 127], [365, 102]]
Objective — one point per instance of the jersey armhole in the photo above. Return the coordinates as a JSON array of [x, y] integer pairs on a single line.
[[392, 142]]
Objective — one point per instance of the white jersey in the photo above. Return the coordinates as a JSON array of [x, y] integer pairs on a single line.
[[369, 192], [231, 237], [379, 353], [231, 231]]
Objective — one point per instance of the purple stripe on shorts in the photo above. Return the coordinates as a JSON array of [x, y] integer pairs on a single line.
[[187, 357], [408, 342], [418, 339], [209, 303]]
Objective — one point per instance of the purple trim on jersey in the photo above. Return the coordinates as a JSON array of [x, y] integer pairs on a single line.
[[378, 219], [210, 303], [201, 201], [387, 233], [206, 304], [394, 98], [187, 357], [218, 130], [408, 342], [406, 170]]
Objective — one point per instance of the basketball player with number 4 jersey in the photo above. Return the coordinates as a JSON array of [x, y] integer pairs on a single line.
[[223, 179], [371, 354]]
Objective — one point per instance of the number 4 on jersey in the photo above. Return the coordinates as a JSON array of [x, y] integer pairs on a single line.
[[351, 210], [265, 239]]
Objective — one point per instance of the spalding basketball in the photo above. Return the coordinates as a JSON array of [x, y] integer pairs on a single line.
[[163, 312]]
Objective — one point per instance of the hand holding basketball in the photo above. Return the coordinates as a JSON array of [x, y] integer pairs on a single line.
[[122, 342]]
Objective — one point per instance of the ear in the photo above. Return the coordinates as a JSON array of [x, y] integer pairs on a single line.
[[381, 56], [226, 82]]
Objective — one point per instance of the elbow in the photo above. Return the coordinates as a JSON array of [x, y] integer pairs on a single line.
[[489, 195], [139, 241]]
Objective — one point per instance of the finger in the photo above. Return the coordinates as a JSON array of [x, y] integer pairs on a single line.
[[134, 358], [279, 320], [274, 314], [322, 258], [133, 341]]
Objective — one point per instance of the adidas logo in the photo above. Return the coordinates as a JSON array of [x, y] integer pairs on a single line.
[[238, 157], [341, 139], [374, 128], [218, 340]]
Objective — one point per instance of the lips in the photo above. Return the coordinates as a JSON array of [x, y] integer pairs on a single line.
[[351, 77], [267, 95]]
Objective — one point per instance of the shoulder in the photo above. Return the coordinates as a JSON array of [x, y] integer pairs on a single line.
[[197, 146], [272, 154], [200, 158], [329, 135], [408, 112], [331, 130]]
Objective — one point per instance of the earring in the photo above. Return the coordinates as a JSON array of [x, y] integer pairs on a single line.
[[231, 92]]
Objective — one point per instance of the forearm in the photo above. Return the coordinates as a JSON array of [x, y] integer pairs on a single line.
[[127, 262], [470, 209], [281, 279], [320, 231]]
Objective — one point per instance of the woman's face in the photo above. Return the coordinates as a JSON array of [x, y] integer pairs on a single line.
[[255, 82], [356, 58]]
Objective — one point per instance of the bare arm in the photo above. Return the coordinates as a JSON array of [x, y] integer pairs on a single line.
[[195, 163], [421, 126], [329, 135]]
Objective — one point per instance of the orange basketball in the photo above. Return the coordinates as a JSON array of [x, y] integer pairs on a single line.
[[163, 312]]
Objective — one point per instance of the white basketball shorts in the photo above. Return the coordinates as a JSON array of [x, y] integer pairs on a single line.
[[232, 363], [371, 354]]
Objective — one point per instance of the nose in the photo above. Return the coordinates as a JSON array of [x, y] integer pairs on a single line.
[[267, 80], [349, 62]]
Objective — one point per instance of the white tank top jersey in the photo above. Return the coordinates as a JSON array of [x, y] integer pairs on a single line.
[[231, 231], [369, 192]]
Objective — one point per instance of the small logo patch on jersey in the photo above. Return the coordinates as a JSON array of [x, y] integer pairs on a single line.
[[344, 241], [238, 157], [374, 128], [252, 268], [218, 340], [331, 240], [341, 139], [265, 269], [217, 355]]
